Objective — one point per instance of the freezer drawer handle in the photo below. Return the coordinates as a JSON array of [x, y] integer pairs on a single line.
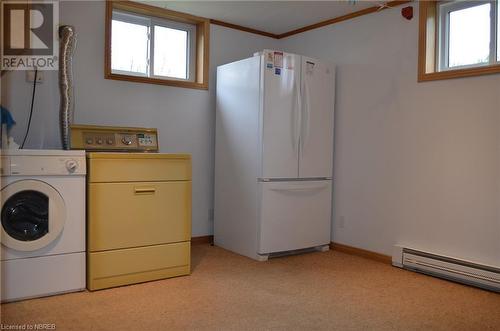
[[144, 190], [301, 188]]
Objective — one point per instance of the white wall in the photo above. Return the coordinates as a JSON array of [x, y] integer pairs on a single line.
[[16, 97], [415, 163], [185, 117]]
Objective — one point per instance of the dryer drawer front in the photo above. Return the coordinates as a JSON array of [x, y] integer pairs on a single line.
[[101, 170], [136, 265], [123, 215]]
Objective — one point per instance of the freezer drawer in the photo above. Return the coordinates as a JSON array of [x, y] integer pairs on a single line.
[[294, 215]]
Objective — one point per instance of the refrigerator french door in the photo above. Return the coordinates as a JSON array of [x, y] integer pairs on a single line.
[[281, 118], [316, 135]]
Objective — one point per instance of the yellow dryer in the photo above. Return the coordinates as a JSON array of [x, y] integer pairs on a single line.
[[138, 217]]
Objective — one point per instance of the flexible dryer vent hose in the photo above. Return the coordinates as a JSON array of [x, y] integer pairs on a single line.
[[67, 43]]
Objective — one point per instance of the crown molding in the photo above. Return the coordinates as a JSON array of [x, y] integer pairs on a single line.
[[244, 28], [370, 10], [330, 21]]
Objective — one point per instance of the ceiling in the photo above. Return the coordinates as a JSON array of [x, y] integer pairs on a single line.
[[270, 16]]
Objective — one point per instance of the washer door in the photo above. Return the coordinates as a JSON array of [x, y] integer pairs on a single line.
[[33, 215]]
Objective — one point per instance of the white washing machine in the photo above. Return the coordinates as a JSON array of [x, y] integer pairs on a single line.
[[43, 223]]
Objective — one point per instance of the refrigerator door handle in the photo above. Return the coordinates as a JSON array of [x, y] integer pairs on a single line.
[[306, 117], [297, 117]]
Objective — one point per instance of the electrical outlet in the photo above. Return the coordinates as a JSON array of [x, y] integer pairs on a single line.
[[341, 222], [30, 76]]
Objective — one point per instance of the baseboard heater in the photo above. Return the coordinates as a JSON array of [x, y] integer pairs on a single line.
[[470, 273]]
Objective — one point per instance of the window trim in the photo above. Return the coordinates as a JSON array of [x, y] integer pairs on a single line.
[[428, 53], [200, 51]]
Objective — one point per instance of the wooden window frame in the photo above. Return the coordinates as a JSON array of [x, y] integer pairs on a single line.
[[202, 44], [428, 68]]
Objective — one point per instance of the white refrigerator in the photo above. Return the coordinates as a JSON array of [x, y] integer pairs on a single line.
[[274, 154]]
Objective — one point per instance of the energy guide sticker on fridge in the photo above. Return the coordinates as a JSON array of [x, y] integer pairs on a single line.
[[270, 60], [278, 59]]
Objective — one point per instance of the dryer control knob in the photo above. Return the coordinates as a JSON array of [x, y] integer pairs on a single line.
[[126, 140], [71, 165]]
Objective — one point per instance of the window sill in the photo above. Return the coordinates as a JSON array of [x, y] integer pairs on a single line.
[[157, 81], [458, 73]]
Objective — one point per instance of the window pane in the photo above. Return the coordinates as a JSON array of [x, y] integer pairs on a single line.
[[469, 41], [170, 52], [129, 47]]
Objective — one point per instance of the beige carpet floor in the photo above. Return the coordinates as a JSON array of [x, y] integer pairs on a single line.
[[316, 291]]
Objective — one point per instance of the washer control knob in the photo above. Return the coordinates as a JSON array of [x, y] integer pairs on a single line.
[[126, 140], [71, 165]]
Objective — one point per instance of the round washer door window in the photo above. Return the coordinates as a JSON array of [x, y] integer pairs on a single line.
[[33, 215]]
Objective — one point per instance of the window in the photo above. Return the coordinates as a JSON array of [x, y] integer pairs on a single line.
[[172, 59], [130, 44], [154, 45], [458, 38], [151, 47]]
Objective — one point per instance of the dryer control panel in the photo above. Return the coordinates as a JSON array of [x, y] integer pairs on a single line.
[[109, 138]]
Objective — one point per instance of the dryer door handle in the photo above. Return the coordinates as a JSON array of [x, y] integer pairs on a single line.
[[144, 190]]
